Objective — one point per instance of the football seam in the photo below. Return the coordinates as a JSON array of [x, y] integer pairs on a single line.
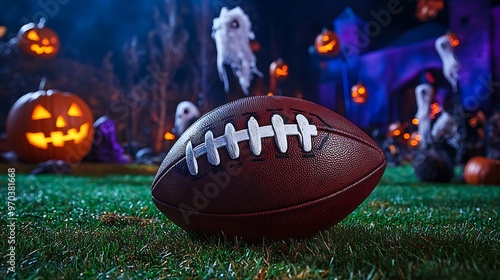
[[325, 129], [280, 210]]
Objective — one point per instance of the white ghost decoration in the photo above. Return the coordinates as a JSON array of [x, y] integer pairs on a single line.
[[185, 114], [451, 65], [446, 129], [423, 96], [232, 31]]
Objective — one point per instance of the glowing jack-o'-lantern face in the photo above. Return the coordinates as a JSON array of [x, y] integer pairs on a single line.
[[50, 125], [278, 69], [38, 40], [327, 43], [359, 93]]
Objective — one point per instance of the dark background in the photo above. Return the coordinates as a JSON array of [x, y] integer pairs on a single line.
[[89, 29]]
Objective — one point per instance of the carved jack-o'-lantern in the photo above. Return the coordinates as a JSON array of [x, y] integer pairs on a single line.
[[47, 125], [327, 43], [278, 69], [38, 40], [359, 93]]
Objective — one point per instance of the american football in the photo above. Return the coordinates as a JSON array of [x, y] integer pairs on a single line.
[[267, 167]]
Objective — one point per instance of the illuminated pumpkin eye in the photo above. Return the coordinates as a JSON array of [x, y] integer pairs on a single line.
[[33, 36], [40, 113], [74, 111]]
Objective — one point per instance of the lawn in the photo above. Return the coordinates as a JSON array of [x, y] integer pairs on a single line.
[[106, 226]]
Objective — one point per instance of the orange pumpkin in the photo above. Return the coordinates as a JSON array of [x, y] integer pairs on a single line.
[[278, 69], [482, 171], [38, 40], [47, 125], [359, 93], [327, 43]]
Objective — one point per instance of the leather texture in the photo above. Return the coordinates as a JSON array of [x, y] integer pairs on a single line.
[[274, 195]]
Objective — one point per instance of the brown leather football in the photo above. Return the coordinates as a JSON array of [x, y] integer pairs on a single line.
[[273, 167]]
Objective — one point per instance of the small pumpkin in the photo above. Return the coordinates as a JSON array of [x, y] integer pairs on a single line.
[[278, 69], [45, 125], [482, 171], [38, 40], [359, 93], [327, 43]]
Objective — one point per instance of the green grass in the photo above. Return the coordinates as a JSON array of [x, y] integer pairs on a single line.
[[404, 230]]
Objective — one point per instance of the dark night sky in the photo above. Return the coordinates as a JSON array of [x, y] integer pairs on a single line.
[[89, 29]]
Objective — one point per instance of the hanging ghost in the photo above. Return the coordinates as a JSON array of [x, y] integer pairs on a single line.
[[185, 115], [446, 129], [232, 31], [451, 65], [423, 96]]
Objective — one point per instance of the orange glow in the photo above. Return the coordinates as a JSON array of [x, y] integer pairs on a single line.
[[282, 72], [74, 111], [428, 9], [415, 121], [454, 40], [40, 113], [169, 136], [33, 36], [3, 31], [42, 49], [270, 93], [406, 136], [359, 93], [60, 122], [57, 138], [435, 109], [397, 132], [392, 149], [327, 43], [414, 143], [278, 70], [473, 122]]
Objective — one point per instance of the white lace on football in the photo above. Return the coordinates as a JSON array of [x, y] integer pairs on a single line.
[[253, 135]]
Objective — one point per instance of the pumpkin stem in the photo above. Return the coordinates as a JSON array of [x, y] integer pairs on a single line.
[[41, 86], [41, 23]]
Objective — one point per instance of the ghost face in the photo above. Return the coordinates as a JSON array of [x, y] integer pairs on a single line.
[[232, 31], [185, 115]]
